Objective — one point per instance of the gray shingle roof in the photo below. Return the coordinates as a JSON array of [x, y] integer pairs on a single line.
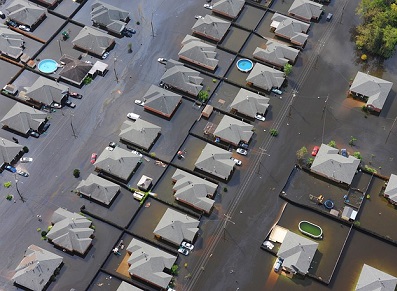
[[265, 77], [331, 164], [24, 12], [372, 279], [124, 286], [176, 227], [229, 8], [249, 103], [74, 70], [215, 161], [198, 52], [119, 162], [140, 133], [70, 231], [193, 190], [297, 252], [23, 118], [276, 53], [98, 189], [306, 9], [8, 150], [391, 188], [291, 29], [11, 42], [211, 27], [149, 263], [182, 78], [36, 268], [109, 16], [46, 91], [161, 101], [233, 130], [374, 88], [93, 40]]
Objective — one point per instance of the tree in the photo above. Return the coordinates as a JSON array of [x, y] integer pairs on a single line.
[[300, 154], [25, 149], [203, 96], [274, 132], [76, 173], [352, 141], [287, 69]]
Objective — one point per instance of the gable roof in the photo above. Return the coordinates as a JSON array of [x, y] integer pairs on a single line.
[[230, 8], [331, 164], [193, 190], [262, 76], [36, 268], [211, 27], [290, 28], [140, 133], [306, 9], [23, 118], [46, 91], [391, 188], [124, 286], [374, 88], [93, 40], [233, 130], [182, 78], [161, 101], [297, 252], [109, 16], [8, 151], [118, 162], [276, 53], [149, 263], [70, 231], [98, 189], [215, 161], [74, 70], [176, 227], [372, 279], [24, 12], [249, 103], [11, 42], [198, 52]]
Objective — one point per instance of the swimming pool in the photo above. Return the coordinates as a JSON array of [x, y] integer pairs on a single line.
[[310, 229], [48, 66], [245, 65]]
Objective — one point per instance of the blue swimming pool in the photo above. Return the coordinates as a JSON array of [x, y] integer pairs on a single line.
[[245, 65], [48, 66]]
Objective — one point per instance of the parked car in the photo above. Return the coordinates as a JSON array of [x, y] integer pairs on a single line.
[[343, 152], [110, 149], [24, 28], [315, 151], [243, 145], [162, 60], [93, 158], [260, 117], [198, 17], [112, 144], [236, 161], [132, 116], [329, 16], [187, 245], [278, 264], [2, 15], [208, 6], [277, 91], [25, 160], [137, 153], [34, 134], [126, 33], [70, 104], [105, 55], [11, 168], [75, 95], [46, 126], [22, 173], [242, 151], [131, 30], [139, 102], [183, 251], [56, 105], [12, 23]]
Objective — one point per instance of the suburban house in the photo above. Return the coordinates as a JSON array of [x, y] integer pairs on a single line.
[[264, 77], [124, 286], [109, 17], [306, 10], [233, 131], [297, 252], [161, 102], [93, 41], [371, 89], [332, 165], [176, 227], [48, 3], [139, 133], [98, 189], [36, 268], [22, 119], [289, 28], [10, 152], [24, 13], [215, 161], [182, 78], [11, 43], [249, 104], [99, 68], [46, 92], [198, 53], [374, 279], [74, 71], [70, 231], [119, 163], [228, 8], [193, 191], [276, 53], [391, 190], [149, 263], [211, 27]]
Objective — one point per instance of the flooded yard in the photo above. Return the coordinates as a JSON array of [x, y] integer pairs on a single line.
[[250, 17], [235, 39], [193, 147]]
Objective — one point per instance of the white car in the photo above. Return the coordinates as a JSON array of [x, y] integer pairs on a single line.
[[24, 28], [242, 151], [183, 251], [208, 6], [105, 55], [162, 60], [198, 17], [187, 245], [110, 149], [132, 116], [137, 153], [277, 91], [236, 161], [26, 160], [56, 105], [22, 173], [139, 102], [260, 117]]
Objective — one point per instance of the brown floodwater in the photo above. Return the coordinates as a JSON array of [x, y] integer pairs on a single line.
[[250, 17]]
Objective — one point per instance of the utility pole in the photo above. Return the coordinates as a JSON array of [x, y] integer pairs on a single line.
[[71, 124], [151, 25], [19, 193], [60, 49], [114, 69], [294, 92], [227, 219], [391, 128]]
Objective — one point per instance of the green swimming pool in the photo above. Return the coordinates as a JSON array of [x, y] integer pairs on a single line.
[[310, 229]]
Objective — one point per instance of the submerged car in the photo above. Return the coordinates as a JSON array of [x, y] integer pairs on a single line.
[[22, 173], [139, 102], [260, 117], [277, 91], [93, 158], [343, 152], [34, 134], [315, 151], [187, 245], [132, 116], [183, 251], [70, 104], [236, 161], [105, 55], [56, 105], [10, 168], [208, 6], [242, 151], [162, 60], [243, 145], [24, 28], [75, 95], [25, 160], [329, 16], [198, 17]]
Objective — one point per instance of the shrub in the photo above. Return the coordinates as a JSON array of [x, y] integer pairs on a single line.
[[43, 233], [7, 184], [214, 80], [364, 57], [174, 269], [76, 173], [364, 108], [369, 169], [301, 153], [357, 155], [138, 23], [309, 161], [9, 197], [87, 80], [287, 69], [352, 141], [203, 96], [274, 132], [38, 229], [224, 189], [153, 154], [25, 149]]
